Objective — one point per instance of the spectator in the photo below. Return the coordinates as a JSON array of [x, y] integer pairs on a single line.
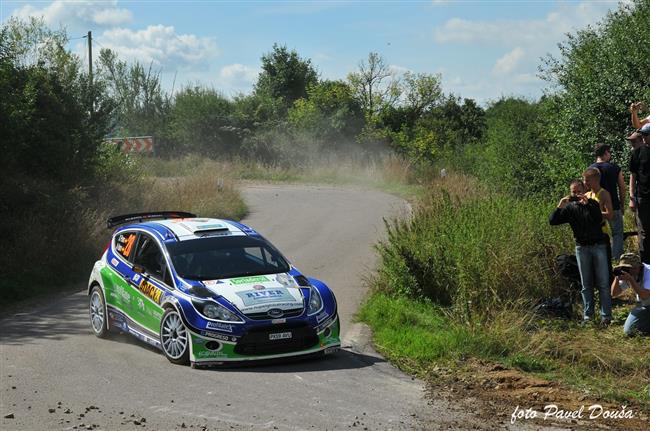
[[635, 108], [635, 140], [630, 272], [611, 179], [644, 131], [640, 192], [585, 218]]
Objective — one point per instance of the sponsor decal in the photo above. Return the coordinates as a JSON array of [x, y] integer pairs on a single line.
[[140, 304], [219, 326], [215, 335], [283, 305], [249, 280], [209, 354], [258, 287], [121, 294], [150, 291], [254, 297], [155, 314], [330, 350], [285, 280], [114, 262], [136, 277], [322, 316], [212, 282]]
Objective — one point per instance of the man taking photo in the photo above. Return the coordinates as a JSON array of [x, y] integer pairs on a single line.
[[585, 218]]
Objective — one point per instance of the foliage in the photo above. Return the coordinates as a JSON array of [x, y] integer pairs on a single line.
[[330, 112], [600, 70], [457, 250], [512, 155], [51, 119], [285, 76], [439, 135], [200, 123], [375, 85], [143, 107]]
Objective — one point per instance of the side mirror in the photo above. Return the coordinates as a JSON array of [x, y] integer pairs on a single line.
[[138, 268]]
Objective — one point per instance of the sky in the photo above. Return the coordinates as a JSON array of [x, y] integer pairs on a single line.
[[482, 49]]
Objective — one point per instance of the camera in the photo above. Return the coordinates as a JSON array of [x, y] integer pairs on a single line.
[[619, 271]]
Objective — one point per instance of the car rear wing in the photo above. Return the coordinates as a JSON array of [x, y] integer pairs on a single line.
[[138, 217]]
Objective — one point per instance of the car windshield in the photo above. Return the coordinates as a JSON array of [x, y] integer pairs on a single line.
[[225, 257]]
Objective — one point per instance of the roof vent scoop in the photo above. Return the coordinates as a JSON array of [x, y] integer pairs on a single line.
[[302, 281]]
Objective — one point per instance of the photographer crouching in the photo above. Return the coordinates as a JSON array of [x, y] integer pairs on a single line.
[[632, 273]]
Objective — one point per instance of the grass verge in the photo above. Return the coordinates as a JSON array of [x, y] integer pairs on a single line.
[[417, 336]]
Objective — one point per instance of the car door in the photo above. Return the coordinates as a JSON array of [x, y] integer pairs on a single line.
[[119, 291], [151, 280]]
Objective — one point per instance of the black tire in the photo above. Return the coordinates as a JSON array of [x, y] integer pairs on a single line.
[[97, 312], [174, 338]]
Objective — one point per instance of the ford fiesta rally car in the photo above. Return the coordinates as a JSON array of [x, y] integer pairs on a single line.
[[208, 292]]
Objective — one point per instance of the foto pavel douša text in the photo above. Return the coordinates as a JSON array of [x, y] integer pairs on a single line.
[[552, 411]]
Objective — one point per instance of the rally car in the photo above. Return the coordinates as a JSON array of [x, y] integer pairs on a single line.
[[208, 292]]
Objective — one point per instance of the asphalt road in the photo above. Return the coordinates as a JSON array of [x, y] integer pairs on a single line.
[[57, 375]]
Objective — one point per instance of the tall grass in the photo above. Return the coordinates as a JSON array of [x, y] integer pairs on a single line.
[[472, 249]]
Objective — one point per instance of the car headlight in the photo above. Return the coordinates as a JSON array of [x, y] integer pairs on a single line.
[[315, 301], [215, 311]]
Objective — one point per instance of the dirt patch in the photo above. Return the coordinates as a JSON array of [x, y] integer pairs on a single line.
[[508, 398]]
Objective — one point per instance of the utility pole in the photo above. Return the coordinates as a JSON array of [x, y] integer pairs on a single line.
[[90, 57], [90, 72]]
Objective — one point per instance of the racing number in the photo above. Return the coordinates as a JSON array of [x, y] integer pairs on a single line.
[[125, 244]]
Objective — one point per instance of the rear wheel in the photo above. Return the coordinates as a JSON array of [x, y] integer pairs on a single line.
[[174, 338], [97, 309]]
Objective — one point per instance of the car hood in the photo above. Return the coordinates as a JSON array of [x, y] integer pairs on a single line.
[[260, 293]]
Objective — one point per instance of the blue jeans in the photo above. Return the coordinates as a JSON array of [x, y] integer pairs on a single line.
[[616, 224], [594, 270], [638, 321]]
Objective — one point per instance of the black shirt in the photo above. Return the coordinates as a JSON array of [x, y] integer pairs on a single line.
[[585, 221], [640, 166], [609, 180]]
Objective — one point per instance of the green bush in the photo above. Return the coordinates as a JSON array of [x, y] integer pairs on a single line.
[[478, 254]]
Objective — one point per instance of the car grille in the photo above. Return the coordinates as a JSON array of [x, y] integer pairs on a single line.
[[256, 341], [286, 313]]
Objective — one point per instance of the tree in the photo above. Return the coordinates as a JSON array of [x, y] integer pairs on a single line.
[[285, 76], [421, 92], [600, 70], [201, 123], [375, 85], [329, 112], [49, 126], [143, 108]]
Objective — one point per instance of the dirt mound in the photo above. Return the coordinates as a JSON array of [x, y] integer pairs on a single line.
[[508, 398]]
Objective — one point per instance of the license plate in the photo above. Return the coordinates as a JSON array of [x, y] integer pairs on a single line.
[[280, 336]]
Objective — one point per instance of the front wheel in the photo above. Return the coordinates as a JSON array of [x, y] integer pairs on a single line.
[[97, 310], [174, 338]]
